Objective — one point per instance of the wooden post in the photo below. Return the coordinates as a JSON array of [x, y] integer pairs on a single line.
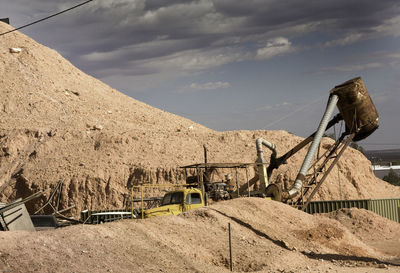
[[141, 194], [230, 247], [131, 203], [247, 179], [237, 181]]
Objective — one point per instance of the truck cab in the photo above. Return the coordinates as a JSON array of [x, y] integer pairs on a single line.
[[176, 202]]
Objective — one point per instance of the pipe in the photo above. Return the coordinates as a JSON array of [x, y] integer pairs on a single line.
[[259, 142], [282, 160], [262, 171], [298, 184]]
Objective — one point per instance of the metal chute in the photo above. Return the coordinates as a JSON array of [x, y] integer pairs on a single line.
[[361, 118]]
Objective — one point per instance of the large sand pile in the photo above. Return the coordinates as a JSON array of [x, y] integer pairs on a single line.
[[267, 236], [56, 122]]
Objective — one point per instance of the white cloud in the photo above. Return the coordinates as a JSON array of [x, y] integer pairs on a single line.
[[191, 60], [149, 57], [209, 85], [389, 27], [136, 51], [193, 87], [160, 36], [349, 68], [276, 106], [274, 47], [347, 40]]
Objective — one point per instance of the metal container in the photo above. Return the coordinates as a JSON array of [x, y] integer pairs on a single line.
[[388, 208], [356, 107], [103, 216]]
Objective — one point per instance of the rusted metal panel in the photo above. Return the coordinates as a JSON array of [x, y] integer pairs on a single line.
[[17, 218], [357, 108]]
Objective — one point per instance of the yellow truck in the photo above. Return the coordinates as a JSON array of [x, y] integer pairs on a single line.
[[176, 202]]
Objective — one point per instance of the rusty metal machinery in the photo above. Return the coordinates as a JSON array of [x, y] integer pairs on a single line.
[[357, 111], [361, 119]]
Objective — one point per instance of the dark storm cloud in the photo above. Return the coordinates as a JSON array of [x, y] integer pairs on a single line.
[[340, 13], [194, 34], [156, 4]]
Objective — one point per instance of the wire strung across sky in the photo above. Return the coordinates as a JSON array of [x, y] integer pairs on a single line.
[[48, 17], [301, 108]]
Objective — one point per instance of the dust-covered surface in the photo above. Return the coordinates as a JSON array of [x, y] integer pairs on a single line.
[[56, 123], [374, 229], [267, 236]]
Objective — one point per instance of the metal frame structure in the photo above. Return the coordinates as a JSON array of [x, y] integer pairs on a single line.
[[312, 179], [55, 203], [202, 168], [328, 160]]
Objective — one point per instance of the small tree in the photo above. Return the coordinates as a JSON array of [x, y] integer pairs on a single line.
[[392, 177], [357, 147]]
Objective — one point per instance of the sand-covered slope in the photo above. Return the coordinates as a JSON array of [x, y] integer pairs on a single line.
[[56, 123], [267, 236]]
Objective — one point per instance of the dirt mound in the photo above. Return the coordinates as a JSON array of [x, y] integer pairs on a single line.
[[267, 236], [56, 123], [377, 231]]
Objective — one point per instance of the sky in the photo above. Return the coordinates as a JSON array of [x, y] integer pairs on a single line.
[[232, 64]]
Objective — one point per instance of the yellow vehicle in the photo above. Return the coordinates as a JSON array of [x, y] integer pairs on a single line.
[[176, 202]]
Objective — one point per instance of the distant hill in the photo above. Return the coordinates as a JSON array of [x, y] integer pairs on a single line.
[[383, 156]]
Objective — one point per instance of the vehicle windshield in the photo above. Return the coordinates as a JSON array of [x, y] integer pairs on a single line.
[[193, 198], [172, 198]]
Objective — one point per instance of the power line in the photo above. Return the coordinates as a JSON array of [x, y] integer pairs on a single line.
[[48, 17], [303, 107]]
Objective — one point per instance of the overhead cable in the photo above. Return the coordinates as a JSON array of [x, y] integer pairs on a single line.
[[294, 112], [48, 17]]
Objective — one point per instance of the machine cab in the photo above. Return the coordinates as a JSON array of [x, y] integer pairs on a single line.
[[176, 202]]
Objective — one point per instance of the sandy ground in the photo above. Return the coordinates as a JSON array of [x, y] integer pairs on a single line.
[[56, 123], [267, 236]]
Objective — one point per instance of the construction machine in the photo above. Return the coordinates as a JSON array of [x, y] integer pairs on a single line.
[[361, 118], [176, 202], [357, 111], [359, 114]]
